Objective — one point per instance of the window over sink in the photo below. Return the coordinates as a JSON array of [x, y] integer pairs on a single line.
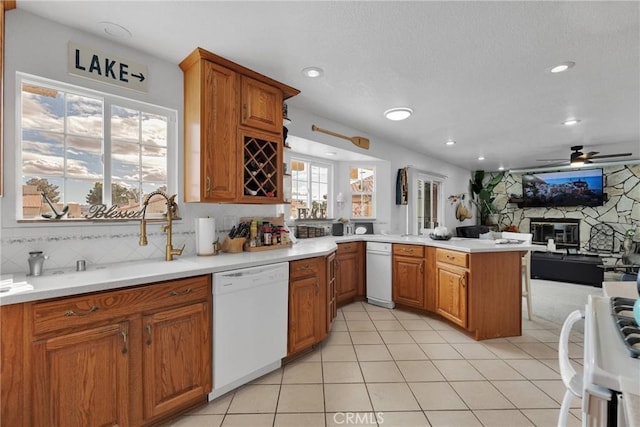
[[80, 148]]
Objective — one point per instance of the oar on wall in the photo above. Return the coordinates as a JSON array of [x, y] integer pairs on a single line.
[[358, 141]]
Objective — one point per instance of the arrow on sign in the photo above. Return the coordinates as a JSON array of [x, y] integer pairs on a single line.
[[140, 76]]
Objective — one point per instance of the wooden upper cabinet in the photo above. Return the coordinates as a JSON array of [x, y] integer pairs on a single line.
[[228, 110], [261, 106]]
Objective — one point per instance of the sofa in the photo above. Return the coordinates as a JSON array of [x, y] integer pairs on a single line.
[[472, 231]]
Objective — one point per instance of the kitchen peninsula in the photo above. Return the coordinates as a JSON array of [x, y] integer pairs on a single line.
[[132, 310], [493, 285]]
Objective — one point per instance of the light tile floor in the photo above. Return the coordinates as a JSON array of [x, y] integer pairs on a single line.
[[391, 368]]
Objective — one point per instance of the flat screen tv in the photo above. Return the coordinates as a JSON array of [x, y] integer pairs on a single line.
[[566, 188]]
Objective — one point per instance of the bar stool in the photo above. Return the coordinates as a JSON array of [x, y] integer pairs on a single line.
[[525, 266]]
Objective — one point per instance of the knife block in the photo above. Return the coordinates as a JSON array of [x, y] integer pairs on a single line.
[[233, 245]]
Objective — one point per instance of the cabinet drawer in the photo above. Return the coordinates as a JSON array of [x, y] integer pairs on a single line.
[[344, 248], [83, 310], [460, 259], [408, 250], [305, 267]]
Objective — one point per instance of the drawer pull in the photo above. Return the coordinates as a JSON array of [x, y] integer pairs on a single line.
[[305, 267], [124, 341], [148, 342], [450, 257], [71, 313], [179, 294]]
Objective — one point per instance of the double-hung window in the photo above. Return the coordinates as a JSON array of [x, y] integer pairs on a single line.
[[362, 181], [81, 149], [310, 189]]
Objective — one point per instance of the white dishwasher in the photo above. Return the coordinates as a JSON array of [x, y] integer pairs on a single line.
[[379, 274], [250, 311]]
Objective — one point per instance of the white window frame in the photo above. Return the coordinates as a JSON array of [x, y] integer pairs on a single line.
[[372, 194], [108, 100], [414, 202], [312, 161]]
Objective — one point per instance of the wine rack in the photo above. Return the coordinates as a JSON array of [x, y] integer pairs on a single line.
[[262, 164]]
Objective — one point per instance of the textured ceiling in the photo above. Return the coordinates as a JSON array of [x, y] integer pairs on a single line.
[[474, 72]]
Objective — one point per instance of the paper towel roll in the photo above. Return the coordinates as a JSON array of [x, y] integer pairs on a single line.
[[205, 235]]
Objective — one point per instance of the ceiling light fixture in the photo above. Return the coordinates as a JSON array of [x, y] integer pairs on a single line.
[[331, 153], [114, 30], [571, 122], [501, 168], [560, 68], [481, 158], [398, 113], [450, 142], [312, 72]]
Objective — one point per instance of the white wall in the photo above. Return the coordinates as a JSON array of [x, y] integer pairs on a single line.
[[39, 47], [391, 217]]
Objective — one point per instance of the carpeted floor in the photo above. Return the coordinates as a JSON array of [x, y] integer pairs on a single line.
[[553, 301]]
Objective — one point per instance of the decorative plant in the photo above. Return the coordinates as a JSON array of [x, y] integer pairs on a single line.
[[482, 194]]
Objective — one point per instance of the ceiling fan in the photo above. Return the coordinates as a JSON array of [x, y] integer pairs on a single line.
[[578, 158]]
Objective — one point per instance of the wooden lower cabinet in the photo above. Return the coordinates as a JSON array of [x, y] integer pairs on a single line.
[[332, 307], [82, 378], [174, 361], [118, 358], [451, 294], [408, 277], [311, 301], [350, 272]]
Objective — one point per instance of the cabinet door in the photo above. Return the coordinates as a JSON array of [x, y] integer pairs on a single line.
[[451, 295], [176, 357], [82, 378], [332, 308], [408, 281], [347, 267], [218, 139], [261, 106], [303, 313]]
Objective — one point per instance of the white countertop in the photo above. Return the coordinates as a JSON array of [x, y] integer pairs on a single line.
[[59, 283]]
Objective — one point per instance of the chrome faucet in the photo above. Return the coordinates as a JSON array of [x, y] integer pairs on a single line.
[[36, 261], [172, 208]]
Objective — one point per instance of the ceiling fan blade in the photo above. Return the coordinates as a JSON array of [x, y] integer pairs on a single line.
[[607, 156], [590, 154], [551, 160]]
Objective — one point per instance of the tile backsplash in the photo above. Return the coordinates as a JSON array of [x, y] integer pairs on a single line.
[[113, 243]]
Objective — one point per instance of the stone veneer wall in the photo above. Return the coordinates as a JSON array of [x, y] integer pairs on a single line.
[[621, 211]]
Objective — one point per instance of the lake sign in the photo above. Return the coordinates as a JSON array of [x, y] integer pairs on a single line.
[[93, 64]]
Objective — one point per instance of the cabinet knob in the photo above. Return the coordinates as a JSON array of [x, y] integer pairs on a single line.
[[177, 294], [148, 342], [71, 313], [124, 342]]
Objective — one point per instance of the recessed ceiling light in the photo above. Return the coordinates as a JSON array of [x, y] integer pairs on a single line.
[[331, 153], [571, 122], [312, 72], [450, 142], [501, 168], [481, 158], [560, 68], [114, 30], [398, 113]]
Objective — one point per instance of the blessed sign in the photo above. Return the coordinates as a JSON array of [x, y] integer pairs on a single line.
[[107, 68], [102, 212]]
